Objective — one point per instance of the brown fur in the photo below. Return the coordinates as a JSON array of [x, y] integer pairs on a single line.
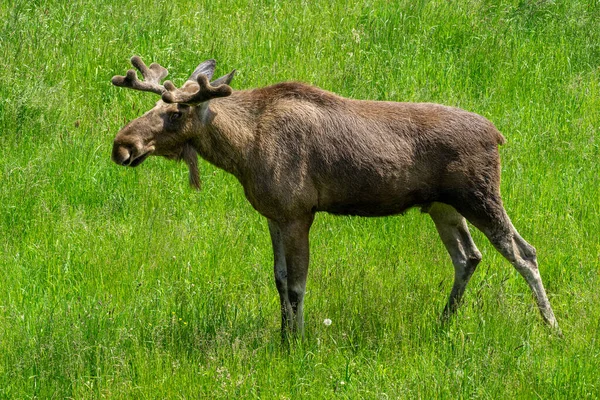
[[297, 150], [302, 149]]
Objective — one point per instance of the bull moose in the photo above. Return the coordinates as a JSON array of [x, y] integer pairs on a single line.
[[297, 150]]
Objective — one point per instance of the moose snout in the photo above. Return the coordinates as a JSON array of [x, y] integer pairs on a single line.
[[130, 154], [122, 154]]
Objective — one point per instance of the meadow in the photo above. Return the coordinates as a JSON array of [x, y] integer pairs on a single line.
[[125, 283]]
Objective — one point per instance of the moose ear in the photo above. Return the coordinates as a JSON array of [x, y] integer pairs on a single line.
[[225, 79], [206, 68]]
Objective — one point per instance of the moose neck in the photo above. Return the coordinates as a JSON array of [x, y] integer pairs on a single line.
[[225, 133]]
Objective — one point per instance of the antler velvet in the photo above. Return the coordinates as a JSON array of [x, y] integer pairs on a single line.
[[205, 92], [152, 77], [171, 94]]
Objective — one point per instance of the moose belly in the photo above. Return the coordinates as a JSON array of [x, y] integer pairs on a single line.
[[367, 209], [374, 203]]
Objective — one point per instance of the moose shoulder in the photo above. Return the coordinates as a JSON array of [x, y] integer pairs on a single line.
[[297, 149]]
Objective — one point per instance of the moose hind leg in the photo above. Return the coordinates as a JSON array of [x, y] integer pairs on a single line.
[[502, 234], [453, 231]]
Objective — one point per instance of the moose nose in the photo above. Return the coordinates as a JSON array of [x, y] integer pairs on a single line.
[[126, 161], [121, 154]]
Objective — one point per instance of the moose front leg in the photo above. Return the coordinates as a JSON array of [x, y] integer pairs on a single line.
[[280, 272], [291, 254]]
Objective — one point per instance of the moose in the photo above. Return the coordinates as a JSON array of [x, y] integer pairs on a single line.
[[297, 150]]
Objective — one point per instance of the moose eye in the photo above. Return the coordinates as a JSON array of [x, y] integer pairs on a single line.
[[174, 116]]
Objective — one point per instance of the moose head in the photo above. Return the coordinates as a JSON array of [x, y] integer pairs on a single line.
[[167, 129]]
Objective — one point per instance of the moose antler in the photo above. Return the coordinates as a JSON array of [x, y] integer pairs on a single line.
[[205, 92], [152, 77]]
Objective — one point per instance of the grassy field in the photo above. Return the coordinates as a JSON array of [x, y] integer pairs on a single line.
[[125, 283]]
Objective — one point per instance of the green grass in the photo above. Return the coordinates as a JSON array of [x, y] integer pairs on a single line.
[[125, 283]]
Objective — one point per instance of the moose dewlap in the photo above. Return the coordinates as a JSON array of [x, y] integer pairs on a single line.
[[297, 150]]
